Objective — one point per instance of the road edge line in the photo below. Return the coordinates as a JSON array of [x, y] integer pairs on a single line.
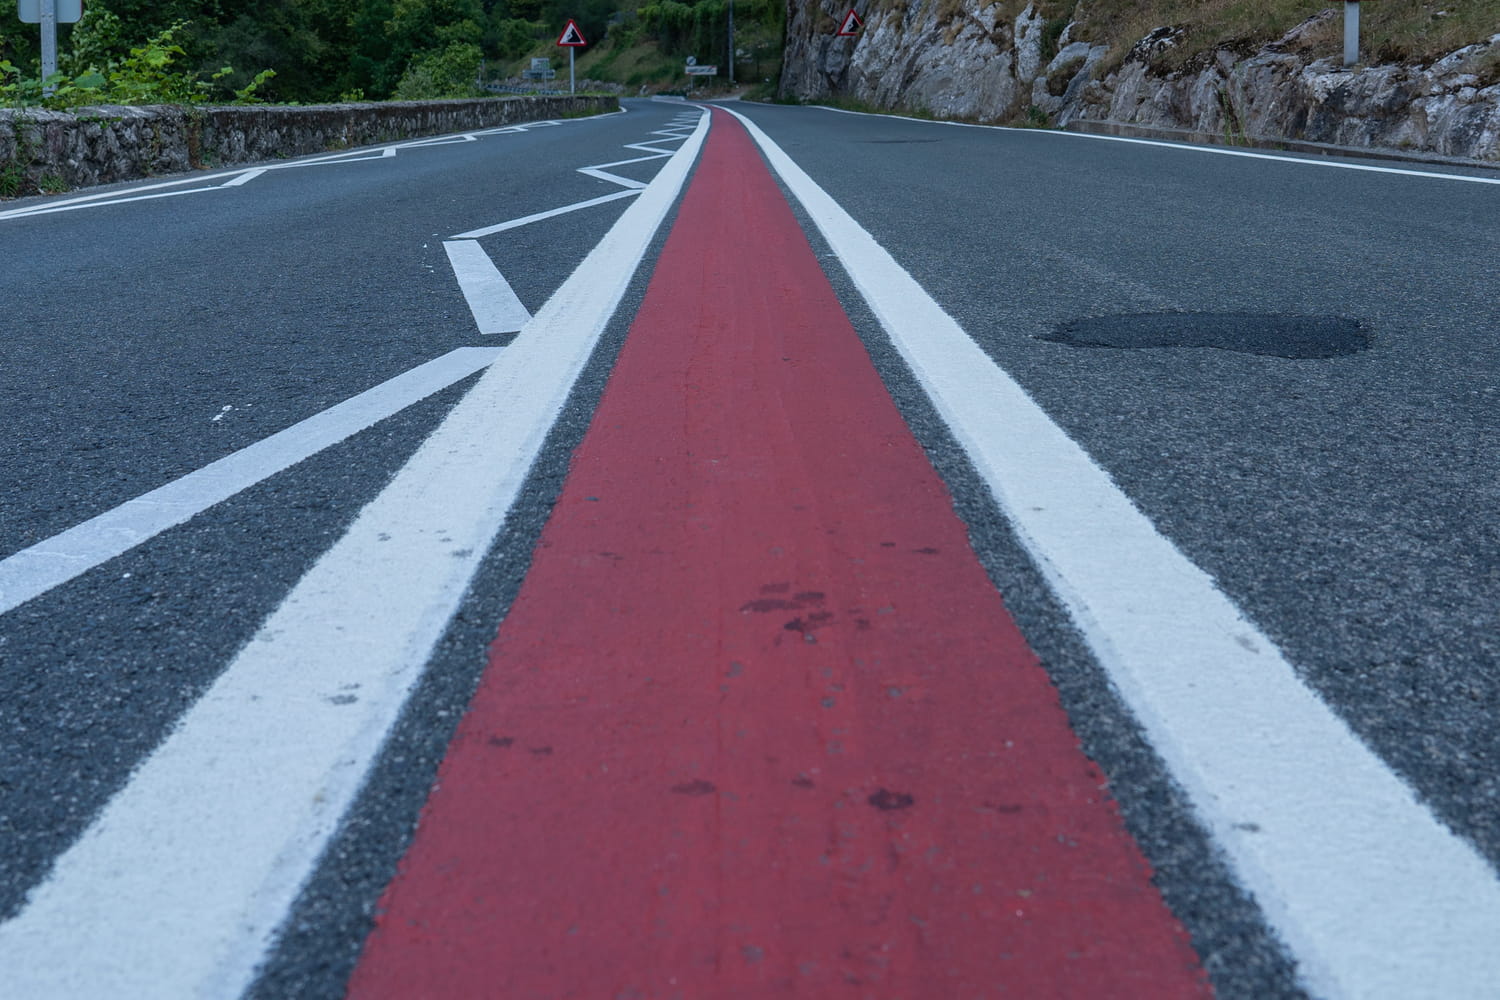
[[1310, 159], [72, 552], [188, 905]]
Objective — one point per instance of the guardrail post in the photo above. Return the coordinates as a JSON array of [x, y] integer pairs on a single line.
[[49, 41], [1351, 32]]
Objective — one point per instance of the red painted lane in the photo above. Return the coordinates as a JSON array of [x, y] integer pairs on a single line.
[[758, 723]]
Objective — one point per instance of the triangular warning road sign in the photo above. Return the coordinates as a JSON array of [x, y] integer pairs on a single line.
[[571, 36], [851, 24]]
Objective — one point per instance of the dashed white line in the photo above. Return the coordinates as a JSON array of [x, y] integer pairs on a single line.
[[1374, 897], [76, 206], [54, 561], [501, 227], [491, 299], [593, 170], [178, 887], [603, 175], [244, 178]]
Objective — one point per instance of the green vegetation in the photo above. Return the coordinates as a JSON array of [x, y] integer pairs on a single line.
[[307, 51], [13, 170], [647, 45], [144, 75]]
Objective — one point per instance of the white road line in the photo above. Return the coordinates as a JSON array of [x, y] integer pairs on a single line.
[[501, 227], [55, 206], [491, 299], [239, 177], [657, 154], [442, 140], [1374, 897], [178, 887], [593, 170], [647, 148], [338, 159], [234, 179], [73, 207], [244, 178], [1336, 164], [602, 175], [54, 561], [1190, 147]]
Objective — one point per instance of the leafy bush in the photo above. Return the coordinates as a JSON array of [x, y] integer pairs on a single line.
[[448, 72], [512, 37], [145, 75]]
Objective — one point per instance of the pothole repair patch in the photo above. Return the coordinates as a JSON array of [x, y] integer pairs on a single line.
[[1274, 335]]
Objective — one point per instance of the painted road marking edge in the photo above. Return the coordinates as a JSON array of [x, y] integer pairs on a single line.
[[178, 887], [1374, 896]]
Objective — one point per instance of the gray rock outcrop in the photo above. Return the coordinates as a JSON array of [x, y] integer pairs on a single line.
[[973, 62], [1280, 93]]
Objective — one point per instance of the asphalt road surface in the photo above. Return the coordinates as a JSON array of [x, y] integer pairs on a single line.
[[926, 560]]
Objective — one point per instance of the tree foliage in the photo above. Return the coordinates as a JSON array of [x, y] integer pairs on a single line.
[[325, 50], [147, 74]]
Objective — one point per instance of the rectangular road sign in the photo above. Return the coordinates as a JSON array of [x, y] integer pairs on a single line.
[[702, 70], [68, 11]]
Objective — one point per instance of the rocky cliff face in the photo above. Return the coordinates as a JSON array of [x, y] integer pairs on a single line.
[[975, 62]]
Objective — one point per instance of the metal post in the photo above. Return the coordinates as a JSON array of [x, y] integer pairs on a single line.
[[49, 41], [1351, 32], [571, 88], [731, 43]]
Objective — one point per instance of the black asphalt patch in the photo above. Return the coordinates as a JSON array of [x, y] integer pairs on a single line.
[[1277, 336]]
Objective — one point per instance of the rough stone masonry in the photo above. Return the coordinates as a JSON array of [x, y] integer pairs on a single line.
[[87, 146], [980, 65]]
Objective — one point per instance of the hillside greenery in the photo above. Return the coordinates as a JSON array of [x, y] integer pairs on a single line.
[[307, 51]]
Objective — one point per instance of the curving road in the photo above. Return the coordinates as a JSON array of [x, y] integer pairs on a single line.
[[285, 447]]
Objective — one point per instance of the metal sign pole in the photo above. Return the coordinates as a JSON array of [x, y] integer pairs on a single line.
[[49, 41], [1351, 32], [570, 71]]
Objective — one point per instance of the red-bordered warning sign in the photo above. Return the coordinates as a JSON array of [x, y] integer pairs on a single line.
[[851, 24], [571, 36]]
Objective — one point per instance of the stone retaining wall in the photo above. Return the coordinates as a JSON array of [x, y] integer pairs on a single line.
[[59, 150]]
